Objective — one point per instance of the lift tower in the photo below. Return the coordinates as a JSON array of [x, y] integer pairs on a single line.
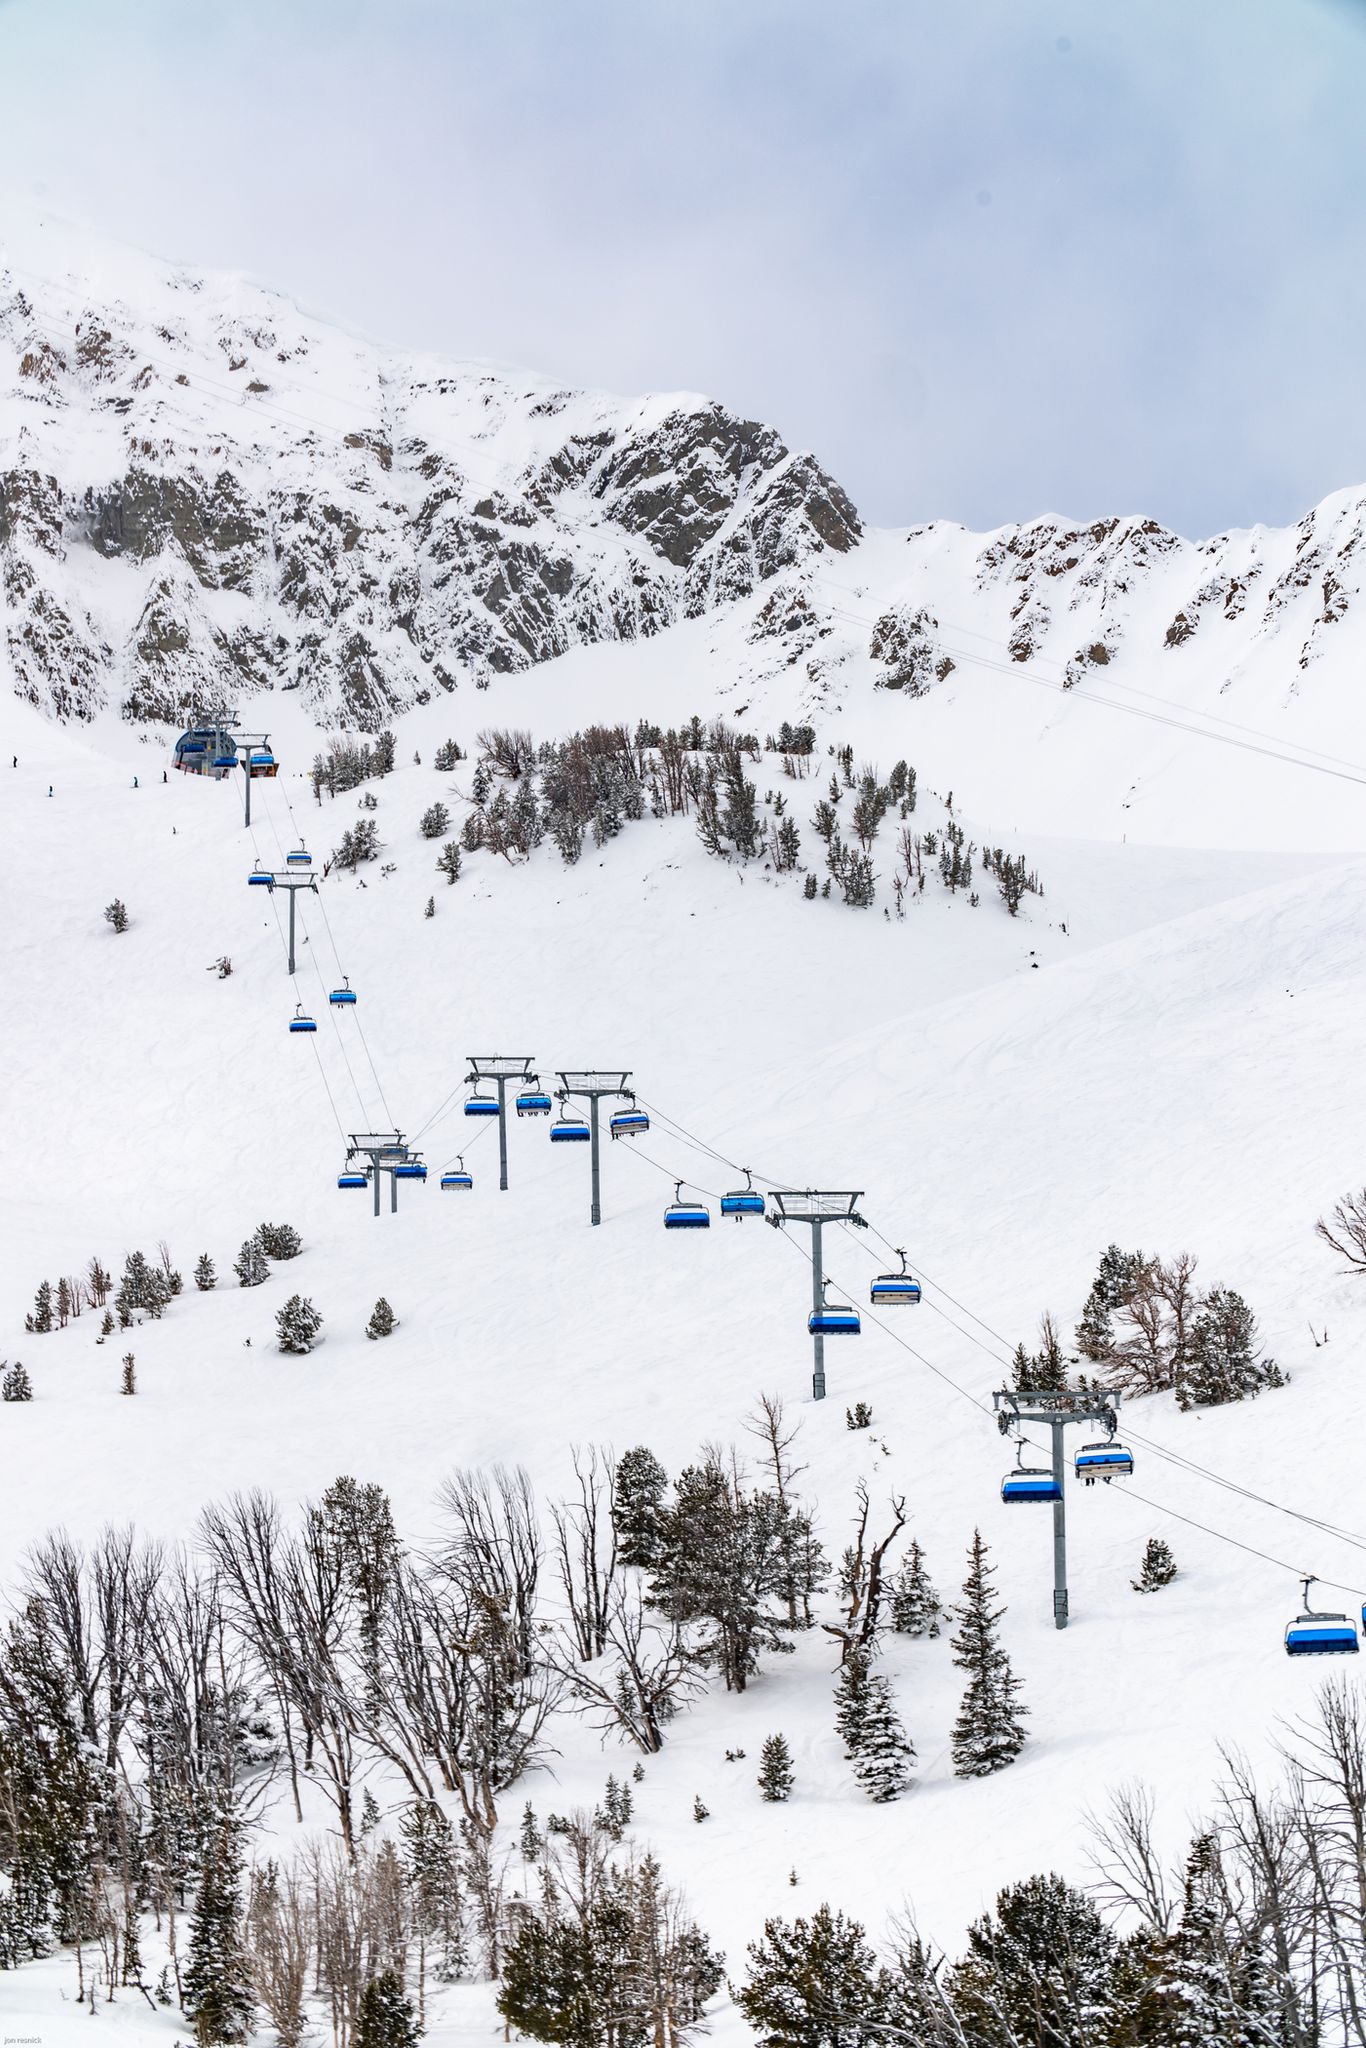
[[592, 1084], [500, 1068], [385, 1151], [816, 1207], [1098, 1406]]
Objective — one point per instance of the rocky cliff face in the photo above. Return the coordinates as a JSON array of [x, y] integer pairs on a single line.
[[202, 494]]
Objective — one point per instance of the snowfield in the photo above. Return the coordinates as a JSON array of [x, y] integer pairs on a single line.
[[1177, 1071], [1160, 1051]]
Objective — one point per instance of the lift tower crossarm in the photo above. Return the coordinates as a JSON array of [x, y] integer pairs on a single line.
[[816, 1207], [1057, 1407], [385, 1150]]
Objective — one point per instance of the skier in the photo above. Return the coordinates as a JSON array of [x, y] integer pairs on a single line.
[[164, 776], [135, 782]]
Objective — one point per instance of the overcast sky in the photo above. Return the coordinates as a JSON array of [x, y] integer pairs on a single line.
[[988, 258]]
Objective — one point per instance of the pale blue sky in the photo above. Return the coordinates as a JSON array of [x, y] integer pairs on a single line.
[[987, 257]]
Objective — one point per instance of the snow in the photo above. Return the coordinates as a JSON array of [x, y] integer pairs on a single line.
[[1177, 1069]]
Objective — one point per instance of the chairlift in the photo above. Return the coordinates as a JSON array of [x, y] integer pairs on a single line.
[[482, 1105], [533, 1101], [892, 1290], [569, 1130], [833, 1318], [1029, 1482], [410, 1169], [342, 996], [260, 878], [1320, 1635], [681, 1215], [301, 1021], [1106, 1461], [457, 1178], [629, 1123], [225, 760], [353, 1180], [299, 858], [745, 1201]]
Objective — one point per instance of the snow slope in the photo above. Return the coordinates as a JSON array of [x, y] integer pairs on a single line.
[[1176, 1071]]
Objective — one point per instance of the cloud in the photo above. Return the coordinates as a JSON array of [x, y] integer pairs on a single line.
[[988, 260]]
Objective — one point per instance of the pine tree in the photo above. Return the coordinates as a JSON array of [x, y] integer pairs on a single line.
[[16, 1384], [809, 888], [298, 1324], [217, 1974], [128, 1383], [205, 1276], [988, 1733], [251, 1268], [1039, 1969], [448, 862], [41, 1319], [63, 1302], [432, 1870], [1223, 1361], [875, 1742], [279, 1240], [107, 1326], [776, 1775], [637, 1507], [435, 822], [813, 1984], [916, 1607], [531, 1841], [699, 1811], [382, 1321], [1109, 1291], [385, 2019], [116, 914], [143, 1288], [1158, 1568], [430, 908]]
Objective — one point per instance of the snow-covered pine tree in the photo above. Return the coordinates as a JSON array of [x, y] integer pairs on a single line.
[[41, 1321], [775, 1778], [812, 1984], [217, 1978], [431, 1867], [637, 1507], [699, 1811], [435, 822], [1040, 1969], [1158, 1568], [107, 1325], [279, 1240], [530, 1840], [385, 2018], [143, 1288], [988, 1733], [16, 1384], [382, 1321], [128, 1383], [1223, 1361], [429, 909], [916, 1606], [1114, 1277], [446, 756], [448, 862], [205, 1276], [116, 915], [298, 1324], [250, 1267], [876, 1744], [63, 1302]]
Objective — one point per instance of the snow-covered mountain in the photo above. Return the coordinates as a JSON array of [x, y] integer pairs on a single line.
[[204, 490]]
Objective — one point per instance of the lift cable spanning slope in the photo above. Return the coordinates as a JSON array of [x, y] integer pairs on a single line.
[[1341, 1534], [1023, 671], [1337, 761]]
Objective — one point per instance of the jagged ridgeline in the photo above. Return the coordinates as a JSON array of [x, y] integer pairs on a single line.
[[207, 463]]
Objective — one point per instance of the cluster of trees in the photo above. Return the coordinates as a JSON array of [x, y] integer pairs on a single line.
[[1255, 1940], [348, 763], [145, 1288], [359, 843], [268, 1241], [1146, 1328]]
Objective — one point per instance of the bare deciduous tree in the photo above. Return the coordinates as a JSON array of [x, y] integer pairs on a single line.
[[1346, 1232]]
